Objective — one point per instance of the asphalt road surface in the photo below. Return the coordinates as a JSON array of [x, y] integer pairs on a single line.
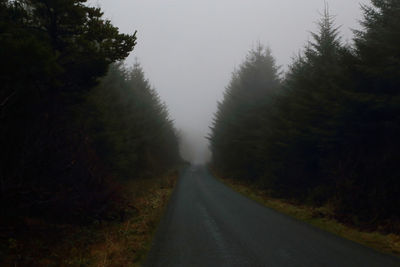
[[208, 224]]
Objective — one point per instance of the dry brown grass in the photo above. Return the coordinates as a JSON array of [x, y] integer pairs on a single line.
[[321, 217], [113, 243], [127, 243]]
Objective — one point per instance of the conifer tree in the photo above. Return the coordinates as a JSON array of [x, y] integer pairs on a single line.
[[52, 53], [234, 132], [306, 121], [371, 169], [137, 137]]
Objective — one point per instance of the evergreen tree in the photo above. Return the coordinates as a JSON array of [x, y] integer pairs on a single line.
[[131, 126], [377, 48], [331, 133], [234, 132], [52, 53], [369, 190], [308, 113]]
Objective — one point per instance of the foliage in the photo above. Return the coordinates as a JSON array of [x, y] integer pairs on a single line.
[[130, 125], [67, 140], [233, 143], [103, 243], [321, 217], [309, 114], [370, 188], [330, 133]]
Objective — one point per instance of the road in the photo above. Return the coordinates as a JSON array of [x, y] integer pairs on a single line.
[[208, 224]]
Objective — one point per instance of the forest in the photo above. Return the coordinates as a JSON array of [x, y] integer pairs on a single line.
[[90, 154], [326, 131], [76, 123]]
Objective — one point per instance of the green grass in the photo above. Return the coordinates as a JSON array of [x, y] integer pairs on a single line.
[[321, 217]]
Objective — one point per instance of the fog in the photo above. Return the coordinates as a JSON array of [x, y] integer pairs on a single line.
[[188, 49]]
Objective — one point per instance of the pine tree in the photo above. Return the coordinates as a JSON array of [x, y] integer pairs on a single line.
[[234, 132], [136, 137], [306, 121], [52, 53], [378, 47], [369, 191]]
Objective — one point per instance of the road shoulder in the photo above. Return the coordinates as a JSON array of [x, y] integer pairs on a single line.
[[319, 217]]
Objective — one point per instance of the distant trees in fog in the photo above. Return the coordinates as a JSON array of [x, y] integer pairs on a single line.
[[130, 125]]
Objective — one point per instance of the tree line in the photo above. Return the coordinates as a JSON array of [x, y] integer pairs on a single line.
[[75, 122], [326, 132]]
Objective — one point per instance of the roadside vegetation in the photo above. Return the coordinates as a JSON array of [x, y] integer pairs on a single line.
[[102, 243], [86, 144], [322, 217], [324, 134]]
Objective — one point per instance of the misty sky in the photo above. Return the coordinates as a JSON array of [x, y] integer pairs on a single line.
[[188, 48]]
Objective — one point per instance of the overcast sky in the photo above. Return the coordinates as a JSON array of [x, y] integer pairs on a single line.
[[189, 48]]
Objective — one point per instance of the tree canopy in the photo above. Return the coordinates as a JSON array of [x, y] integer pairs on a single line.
[[329, 133], [69, 135]]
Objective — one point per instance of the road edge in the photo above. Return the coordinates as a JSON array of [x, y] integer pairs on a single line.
[[386, 244]]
